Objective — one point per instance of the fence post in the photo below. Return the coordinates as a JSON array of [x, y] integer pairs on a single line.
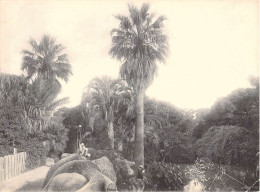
[[2, 170], [12, 165]]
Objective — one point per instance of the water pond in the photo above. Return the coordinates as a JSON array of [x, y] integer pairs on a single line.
[[212, 177]]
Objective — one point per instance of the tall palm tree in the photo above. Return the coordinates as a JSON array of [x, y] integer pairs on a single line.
[[139, 43], [105, 96], [45, 64], [46, 60]]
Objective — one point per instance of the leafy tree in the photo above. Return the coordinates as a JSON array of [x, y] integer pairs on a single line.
[[73, 118], [56, 136], [240, 108], [166, 129], [228, 145], [46, 60], [14, 133], [12, 89], [139, 42], [104, 96]]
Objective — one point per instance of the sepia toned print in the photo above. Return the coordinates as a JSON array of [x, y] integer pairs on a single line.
[[129, 95]]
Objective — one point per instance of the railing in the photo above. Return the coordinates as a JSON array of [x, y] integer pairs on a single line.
[[12, 165]]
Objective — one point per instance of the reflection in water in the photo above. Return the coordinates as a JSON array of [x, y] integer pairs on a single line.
[[194, 186]]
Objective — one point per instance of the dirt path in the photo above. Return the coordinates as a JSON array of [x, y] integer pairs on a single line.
[[29, 181]]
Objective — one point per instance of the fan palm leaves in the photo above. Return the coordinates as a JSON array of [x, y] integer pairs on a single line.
[[105, 97], [45, 64], [139, 43], [46, 60]]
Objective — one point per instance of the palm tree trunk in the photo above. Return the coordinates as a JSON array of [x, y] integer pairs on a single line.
[[91, 123], [111, 134], [139, 130]]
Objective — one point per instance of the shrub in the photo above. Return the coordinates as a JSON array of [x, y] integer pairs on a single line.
[[56, 136], [230, 145], [13, 134], [165, 176], [36, 153]]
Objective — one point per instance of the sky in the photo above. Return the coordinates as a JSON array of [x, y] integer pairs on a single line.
[[214, 45]]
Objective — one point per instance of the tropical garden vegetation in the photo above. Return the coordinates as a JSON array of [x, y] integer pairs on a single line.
[[115, 114]]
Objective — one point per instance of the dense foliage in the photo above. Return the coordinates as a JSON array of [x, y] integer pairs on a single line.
[[165, 177], [28, 103], [228, 133], [56, 136], [13, 134], [240, 108], [230, 145], [167, 131]]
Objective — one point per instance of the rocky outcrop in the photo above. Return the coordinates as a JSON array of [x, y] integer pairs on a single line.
[[78, 166], [59, 164], [122, 167], [67, 182], [106, 168]]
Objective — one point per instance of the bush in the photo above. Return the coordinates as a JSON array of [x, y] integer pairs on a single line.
[[56, 136], [36, 153], [230, 145], [13, 134], [165, 176]]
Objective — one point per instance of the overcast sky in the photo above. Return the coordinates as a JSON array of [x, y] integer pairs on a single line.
[[213, 44]]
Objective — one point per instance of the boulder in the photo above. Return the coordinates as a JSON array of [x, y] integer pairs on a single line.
[[96, 154], [106, 168], [123, 168], [49, 161], [67, 182], [59, 164], [64, 155], [96, 180]]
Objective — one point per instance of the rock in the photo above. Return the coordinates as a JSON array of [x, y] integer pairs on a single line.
[[96, 181], [64, 155], [59, 164], [67, 182], [106, 167], [123, 168], [49, 161], [96, 154]]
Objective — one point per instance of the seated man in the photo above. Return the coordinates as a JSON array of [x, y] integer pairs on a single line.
[[82, 150]]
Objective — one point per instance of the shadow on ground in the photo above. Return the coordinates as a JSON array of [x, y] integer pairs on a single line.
[[32, 186]]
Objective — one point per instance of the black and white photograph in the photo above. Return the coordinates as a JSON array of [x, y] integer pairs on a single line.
[[129, 95]]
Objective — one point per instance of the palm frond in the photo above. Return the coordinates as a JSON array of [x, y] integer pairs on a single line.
[[139, 44]]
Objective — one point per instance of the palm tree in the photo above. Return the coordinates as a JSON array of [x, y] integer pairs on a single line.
[[41, 103], [105, 96], [46, 60], [139, 43], [45, 64]]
